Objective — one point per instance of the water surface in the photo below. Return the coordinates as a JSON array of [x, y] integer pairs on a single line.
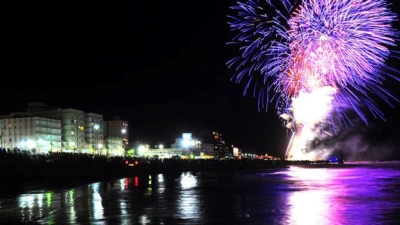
[[365, 194]]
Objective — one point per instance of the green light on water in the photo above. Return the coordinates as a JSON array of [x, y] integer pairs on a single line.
[[48, 198], [71, 196]]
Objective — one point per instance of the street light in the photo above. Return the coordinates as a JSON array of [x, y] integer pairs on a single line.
[[73, 145], [100, 146], [161, 146], [23, 145], [30, 145], [142, 150], [123, 135]]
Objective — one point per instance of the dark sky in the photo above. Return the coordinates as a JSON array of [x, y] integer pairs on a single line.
[[158, 64]]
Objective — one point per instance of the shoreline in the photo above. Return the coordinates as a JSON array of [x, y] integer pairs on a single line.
[[95, 167], [101, 170]]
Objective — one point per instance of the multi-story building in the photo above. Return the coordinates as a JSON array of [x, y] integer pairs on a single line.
[[117, 128], [214, 138], [72, 124], [114, 146], [42, 129], [208, 149], [94, 133], [27, 132]]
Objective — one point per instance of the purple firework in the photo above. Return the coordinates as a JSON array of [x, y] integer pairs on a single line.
[[288, 47]]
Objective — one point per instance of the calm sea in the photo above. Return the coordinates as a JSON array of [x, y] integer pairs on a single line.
[[366, 194]]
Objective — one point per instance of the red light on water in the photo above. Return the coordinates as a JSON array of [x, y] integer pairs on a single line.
[[136, 181], [126, 183]]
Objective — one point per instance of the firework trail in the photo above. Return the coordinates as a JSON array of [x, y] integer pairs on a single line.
[[316, 60]]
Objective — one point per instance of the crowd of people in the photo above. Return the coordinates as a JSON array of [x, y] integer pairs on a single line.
[[66, 165]]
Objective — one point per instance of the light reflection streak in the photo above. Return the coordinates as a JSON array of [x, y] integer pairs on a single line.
[[123, 207], [188, 202], [26, 204], [72, 211], [144, 220], [309, 207], [314, 202], [187, 181], [39, 201], [98, 210], [304, 174], [160, 182], [136, 181], [149, 186], [124, 183], [48, 198], [160, 178]]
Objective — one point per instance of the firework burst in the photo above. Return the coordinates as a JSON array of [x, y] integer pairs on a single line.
[[315, 59]]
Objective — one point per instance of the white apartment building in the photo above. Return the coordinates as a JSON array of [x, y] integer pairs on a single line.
[[31, 133], [72, 125], [42, 129], [114, 146]]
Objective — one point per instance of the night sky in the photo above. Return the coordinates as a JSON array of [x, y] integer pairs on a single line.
[[161, 65]]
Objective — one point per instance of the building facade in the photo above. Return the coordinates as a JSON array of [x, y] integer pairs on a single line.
[[215, 138], [30, 133], [72, 125], [73, 131], [94, 133], [114, 146], [117, 128]]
